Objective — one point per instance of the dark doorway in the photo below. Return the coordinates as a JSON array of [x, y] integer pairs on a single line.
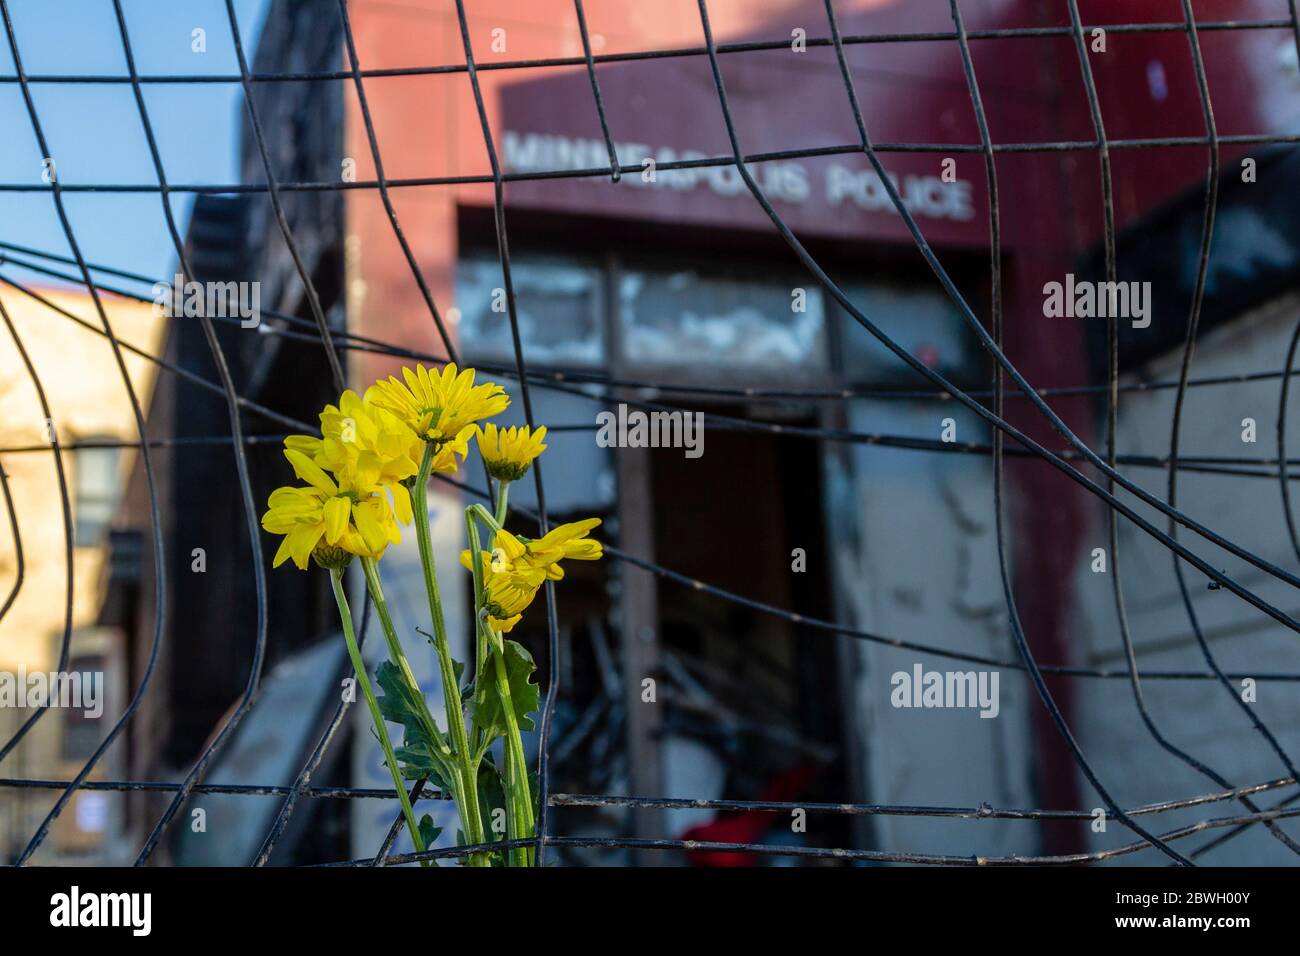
[[748, 692]]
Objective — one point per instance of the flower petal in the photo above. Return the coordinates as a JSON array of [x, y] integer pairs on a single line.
[[337, 512], [401, 502], [310, 472], [370, 527], [302, 541], [282, 554]]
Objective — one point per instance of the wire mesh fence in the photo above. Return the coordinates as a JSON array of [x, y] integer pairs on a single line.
[[1095, 471]]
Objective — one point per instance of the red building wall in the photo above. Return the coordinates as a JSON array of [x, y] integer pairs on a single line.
[[912, 92]]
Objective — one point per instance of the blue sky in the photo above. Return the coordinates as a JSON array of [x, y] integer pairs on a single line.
[[94, 130]]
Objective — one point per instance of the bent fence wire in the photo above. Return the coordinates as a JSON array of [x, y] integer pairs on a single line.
[[1142, 821]]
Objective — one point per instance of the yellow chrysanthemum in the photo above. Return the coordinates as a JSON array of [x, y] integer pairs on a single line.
[[365, 447], [331, 519], [567, 541], [437, 406], [509, 589], [444, 458], [509, 452]]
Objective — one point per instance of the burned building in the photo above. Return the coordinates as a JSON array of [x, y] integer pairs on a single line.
[[742, 642]]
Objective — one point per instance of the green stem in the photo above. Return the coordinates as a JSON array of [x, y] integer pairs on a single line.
[[521, 796], [359, 665], [480, 640], [517, 762], [519, 811], [453, 771], [503, 491], [514, 824], [395, 652], [471, 818], [488, 517]]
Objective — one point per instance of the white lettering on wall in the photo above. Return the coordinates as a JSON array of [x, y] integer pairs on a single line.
[[927, 196]]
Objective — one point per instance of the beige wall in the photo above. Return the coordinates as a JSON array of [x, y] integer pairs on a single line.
[[86, 396]]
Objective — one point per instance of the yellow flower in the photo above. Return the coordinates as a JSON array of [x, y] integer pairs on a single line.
[[365, 447], [444, 458], [515, 569], [438, 406], [329, 519], [567, 541], [509, 452], [508, 588]]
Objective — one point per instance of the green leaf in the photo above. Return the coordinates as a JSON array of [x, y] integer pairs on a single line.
[[491, 798], [399, 703], [466, 689], [428, 832], [491, 795], [418, 755], [524, 694], [420, 762]]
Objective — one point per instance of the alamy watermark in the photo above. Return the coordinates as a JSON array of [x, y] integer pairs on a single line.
[[946, 689], [638, 429], [67, 690], [1099, 300], [215, 300], [133, 911]]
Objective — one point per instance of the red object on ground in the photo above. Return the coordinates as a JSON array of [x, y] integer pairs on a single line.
[[746, 826]]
